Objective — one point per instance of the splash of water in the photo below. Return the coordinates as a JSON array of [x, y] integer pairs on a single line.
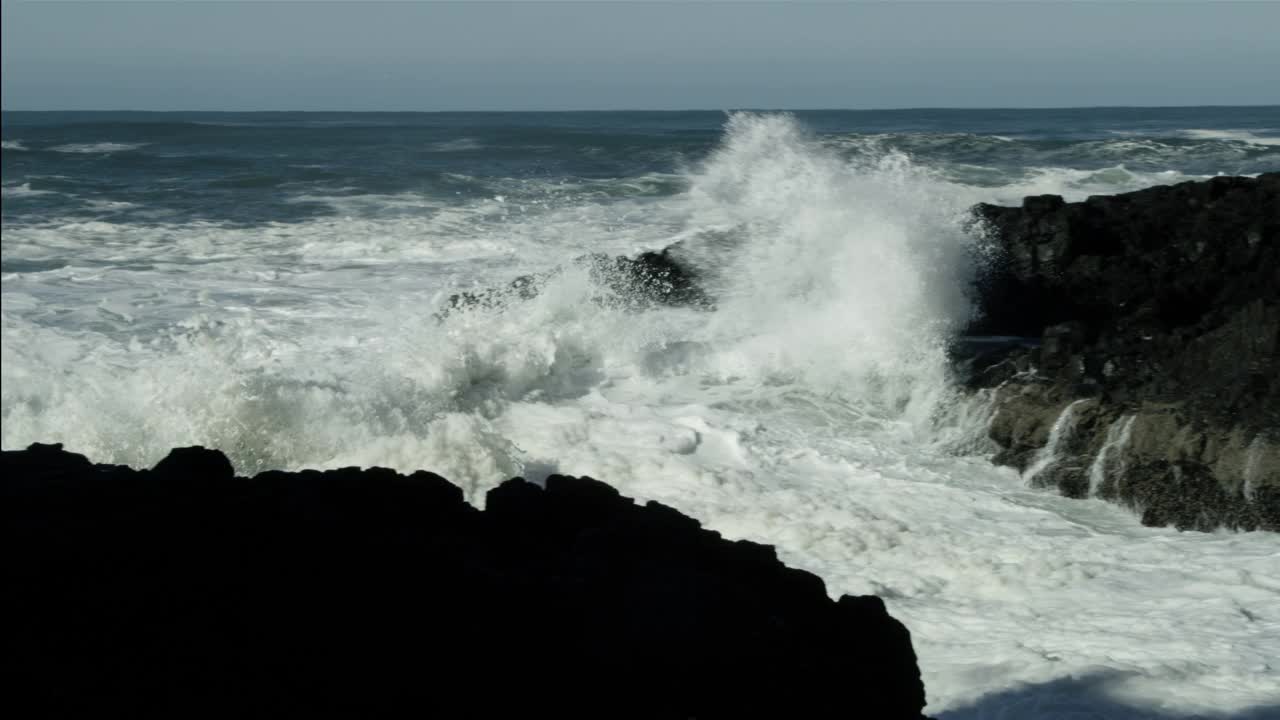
[[846, 274], [837, 278], [1252, 467], [810, 411], [1115, 442], [1059, 433]]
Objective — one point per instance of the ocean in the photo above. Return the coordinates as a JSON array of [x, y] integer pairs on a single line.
[[270, 284]]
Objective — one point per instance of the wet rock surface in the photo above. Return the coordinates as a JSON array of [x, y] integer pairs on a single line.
[[185, 591], [1160, 310], [646, 280], [1161, 307]]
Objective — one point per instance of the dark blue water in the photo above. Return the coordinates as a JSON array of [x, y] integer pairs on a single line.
[[253, 167]]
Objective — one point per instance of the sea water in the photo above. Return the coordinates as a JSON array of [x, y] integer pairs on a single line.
[[269, 284]]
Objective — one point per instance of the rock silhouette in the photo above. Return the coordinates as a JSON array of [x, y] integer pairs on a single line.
[[185, 591]]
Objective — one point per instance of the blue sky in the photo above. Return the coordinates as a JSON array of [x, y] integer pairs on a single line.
[[253, 55]]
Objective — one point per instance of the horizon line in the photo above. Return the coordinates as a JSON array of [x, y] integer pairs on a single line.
[[670, 110]]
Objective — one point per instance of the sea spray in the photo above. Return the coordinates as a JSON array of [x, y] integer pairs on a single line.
[[963, 424], [837, 277], [1252, 467], [801, 428], [844, 273], [1048, 455], [1115, 442]]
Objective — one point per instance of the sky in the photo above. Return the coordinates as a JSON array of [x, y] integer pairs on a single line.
[[363, 55]]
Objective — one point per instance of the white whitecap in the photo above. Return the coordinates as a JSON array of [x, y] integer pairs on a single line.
[[96, 148], [1243, 136], [23, 190], [111, 205], [458, 145]]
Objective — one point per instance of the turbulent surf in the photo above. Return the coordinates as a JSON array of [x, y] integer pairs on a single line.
[[271, 285]]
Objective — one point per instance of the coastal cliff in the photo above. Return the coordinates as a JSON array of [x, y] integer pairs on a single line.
[[1152, 377], [187, 591]]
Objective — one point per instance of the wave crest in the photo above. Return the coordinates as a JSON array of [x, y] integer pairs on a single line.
[[96, 148]]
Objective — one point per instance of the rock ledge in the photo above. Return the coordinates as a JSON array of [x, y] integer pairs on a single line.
[[1153, 378], [185, 591]]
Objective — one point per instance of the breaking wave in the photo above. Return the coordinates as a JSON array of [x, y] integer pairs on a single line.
[[810, 410], [837, 278], [96, 148]]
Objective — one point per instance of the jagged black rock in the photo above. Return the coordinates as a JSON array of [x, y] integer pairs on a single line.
[[1160, 309], [647, 280], [185, 591]]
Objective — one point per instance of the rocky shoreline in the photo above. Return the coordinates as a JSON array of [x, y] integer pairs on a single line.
[[1130, 346], [1131, 342], [185, 591], [1155, 381]]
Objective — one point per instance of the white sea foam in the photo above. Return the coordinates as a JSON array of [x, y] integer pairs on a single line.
[[21, 190], [110, 205], [811, 410], [456, 145], [12, 145], [1243, 136], [1075, 185], [96, 148]]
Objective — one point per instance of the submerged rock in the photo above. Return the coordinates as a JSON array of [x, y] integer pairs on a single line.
[[1163, 307], [185, 591], [644, 281]]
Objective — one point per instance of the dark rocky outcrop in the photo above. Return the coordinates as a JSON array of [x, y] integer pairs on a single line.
[[1156, 316], [184, 591], [643, 281]]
